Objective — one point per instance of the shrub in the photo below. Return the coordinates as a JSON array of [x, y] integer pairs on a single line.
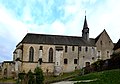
[[115, 61], [30, 77], [21, 77], [39, 75], [98, 65]]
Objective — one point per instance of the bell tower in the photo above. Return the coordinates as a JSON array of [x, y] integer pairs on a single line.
[[85, 31]]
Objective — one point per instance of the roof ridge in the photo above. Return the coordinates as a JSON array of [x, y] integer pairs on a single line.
[[53, 35]]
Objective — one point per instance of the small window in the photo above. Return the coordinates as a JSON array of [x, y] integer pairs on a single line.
[[83, 56], [80, 48], [98, 53], [93, 58], [65, 61], [75, 61], [98, 57], [65, 48], [87, 64], [86, 49], [107, 53], [73, 48], [101, 42], [41, 48]]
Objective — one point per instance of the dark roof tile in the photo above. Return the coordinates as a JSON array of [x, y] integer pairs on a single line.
[[31, 38], [117, 45]]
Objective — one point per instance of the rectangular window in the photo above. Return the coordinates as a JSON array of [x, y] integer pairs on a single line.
[[65, 61], [65, 48], [86, 49], [100, 42], [99, 54], [75, 61], [41, 48], [73, 48], [80, 48], [107, 53]]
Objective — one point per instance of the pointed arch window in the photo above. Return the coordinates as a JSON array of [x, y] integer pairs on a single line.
[[50, 55], [31, 54]]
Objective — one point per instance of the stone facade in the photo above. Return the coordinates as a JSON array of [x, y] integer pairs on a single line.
[[104, 46], [88, 55], [8, 69]]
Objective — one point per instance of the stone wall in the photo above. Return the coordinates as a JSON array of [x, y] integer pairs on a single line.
[[81, 56], [8, 69], [104, 46]]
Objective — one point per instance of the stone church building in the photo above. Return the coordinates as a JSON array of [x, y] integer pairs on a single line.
[[58, 53]]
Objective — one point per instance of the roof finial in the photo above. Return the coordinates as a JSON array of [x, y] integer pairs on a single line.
[[85, 13]]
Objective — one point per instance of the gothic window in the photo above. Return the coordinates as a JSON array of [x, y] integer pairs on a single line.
[[65, 61], [41, 48], [73, 48], [65, 48], [86, 49], [31, 54], [75, 61], [50, 55]]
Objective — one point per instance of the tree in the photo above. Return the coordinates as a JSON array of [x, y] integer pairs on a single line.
[[21, 77], [30, 77], [39, 75]]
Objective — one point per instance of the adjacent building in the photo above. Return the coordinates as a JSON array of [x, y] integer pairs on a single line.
[[117, 47]]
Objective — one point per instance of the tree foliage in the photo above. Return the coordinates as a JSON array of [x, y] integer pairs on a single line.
[[39, 75], [30, 77]]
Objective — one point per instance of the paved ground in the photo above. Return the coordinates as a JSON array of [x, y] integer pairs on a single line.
[[65, 82], [72, 82]]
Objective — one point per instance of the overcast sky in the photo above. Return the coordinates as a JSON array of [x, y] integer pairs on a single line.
[[58, 17]]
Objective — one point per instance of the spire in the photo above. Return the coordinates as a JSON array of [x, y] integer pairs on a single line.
[[85, 23], [85, 31]]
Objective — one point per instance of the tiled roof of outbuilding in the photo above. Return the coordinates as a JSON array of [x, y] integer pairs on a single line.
[[117, 45]]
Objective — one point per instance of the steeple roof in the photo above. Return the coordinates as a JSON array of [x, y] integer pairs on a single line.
[[85, 23]]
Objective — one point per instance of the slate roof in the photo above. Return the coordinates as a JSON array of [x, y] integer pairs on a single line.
[[85, 23], [117, 45], [97, 38], [32, 38]]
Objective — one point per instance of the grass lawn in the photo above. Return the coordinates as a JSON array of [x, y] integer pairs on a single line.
[[104, 77], [9, 80], [49, 79]]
